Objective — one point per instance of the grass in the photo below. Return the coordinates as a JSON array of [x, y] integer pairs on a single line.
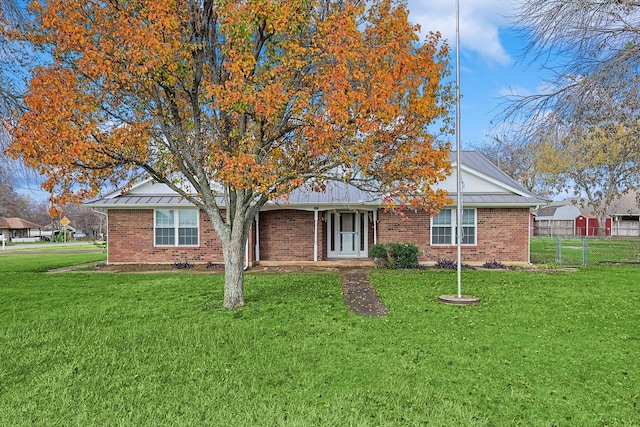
[[43, 261], [124, 349], [543, 250]]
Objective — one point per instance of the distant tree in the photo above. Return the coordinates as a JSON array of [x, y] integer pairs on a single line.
[[11, 203], [237, 101], [589, 46], [598, 161], [12, 55], [518, 159], [15, 57], [587, 113], [16, 205], [84, 219]]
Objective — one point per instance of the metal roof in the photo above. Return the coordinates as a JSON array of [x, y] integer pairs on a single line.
[[341, 194], [496, 200], [134, 201], [479, 162]]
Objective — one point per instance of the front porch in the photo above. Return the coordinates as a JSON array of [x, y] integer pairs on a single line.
[[313, 236], [328, 263]]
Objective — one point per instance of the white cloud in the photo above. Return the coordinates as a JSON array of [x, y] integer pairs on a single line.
[[480, 23]]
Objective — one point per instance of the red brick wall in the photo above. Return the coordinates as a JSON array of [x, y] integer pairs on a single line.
[[287, 235], [414, 228], [502, 236], [131, 240]]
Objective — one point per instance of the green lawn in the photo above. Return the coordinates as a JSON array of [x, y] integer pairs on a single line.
[[599, 250], [43, 261], [542, 349]]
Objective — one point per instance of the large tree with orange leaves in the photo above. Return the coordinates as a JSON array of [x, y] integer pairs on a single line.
[[241, 99]]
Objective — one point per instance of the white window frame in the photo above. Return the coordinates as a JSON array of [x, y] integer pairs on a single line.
[[176, 227], [453, 226]]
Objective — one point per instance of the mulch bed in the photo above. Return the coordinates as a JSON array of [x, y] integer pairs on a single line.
[[359, 294]]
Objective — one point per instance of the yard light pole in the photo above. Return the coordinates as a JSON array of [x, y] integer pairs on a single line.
[[459, 298]]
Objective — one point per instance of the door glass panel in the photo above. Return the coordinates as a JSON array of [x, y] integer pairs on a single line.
[[332, 232], [347, 223], [363, 227], [347, 242]]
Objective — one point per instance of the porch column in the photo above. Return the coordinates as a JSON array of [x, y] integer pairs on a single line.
[[375, 226], [315, 234]]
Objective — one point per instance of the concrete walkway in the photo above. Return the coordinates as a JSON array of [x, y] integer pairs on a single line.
[[359, 294]]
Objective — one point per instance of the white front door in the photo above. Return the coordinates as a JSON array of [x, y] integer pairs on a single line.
[[347, 234]]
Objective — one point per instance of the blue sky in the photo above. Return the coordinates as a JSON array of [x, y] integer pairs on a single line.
[[491, 65]]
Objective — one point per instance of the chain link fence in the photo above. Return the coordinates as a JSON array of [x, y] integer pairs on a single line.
[[573, 251]]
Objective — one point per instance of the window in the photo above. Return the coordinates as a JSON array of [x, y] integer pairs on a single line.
[[179, 225], [443, 227]]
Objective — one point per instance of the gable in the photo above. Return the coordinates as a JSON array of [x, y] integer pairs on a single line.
[[475, 182], [144, 188], [481, 176]]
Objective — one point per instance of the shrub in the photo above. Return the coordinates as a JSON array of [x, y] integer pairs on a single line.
[[494, 265], [182, 265], [447, 264], [395, 255], [403, 256], [380, 255], [378, 250]]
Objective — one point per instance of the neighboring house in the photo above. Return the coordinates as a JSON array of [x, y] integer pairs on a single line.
[[53, 229], [567, 218], [19, 230], [151, 224], [556, 219], [625, 213]]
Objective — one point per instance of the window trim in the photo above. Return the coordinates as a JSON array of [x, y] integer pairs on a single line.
[[452, 227], [176, 228]]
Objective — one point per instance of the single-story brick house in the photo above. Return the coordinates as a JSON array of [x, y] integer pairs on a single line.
[[151, 224]]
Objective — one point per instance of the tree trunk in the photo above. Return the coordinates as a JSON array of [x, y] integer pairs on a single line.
[[602, 226], [234, 252]]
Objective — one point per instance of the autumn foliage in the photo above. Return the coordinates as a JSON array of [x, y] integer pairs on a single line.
[[247, 98]]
